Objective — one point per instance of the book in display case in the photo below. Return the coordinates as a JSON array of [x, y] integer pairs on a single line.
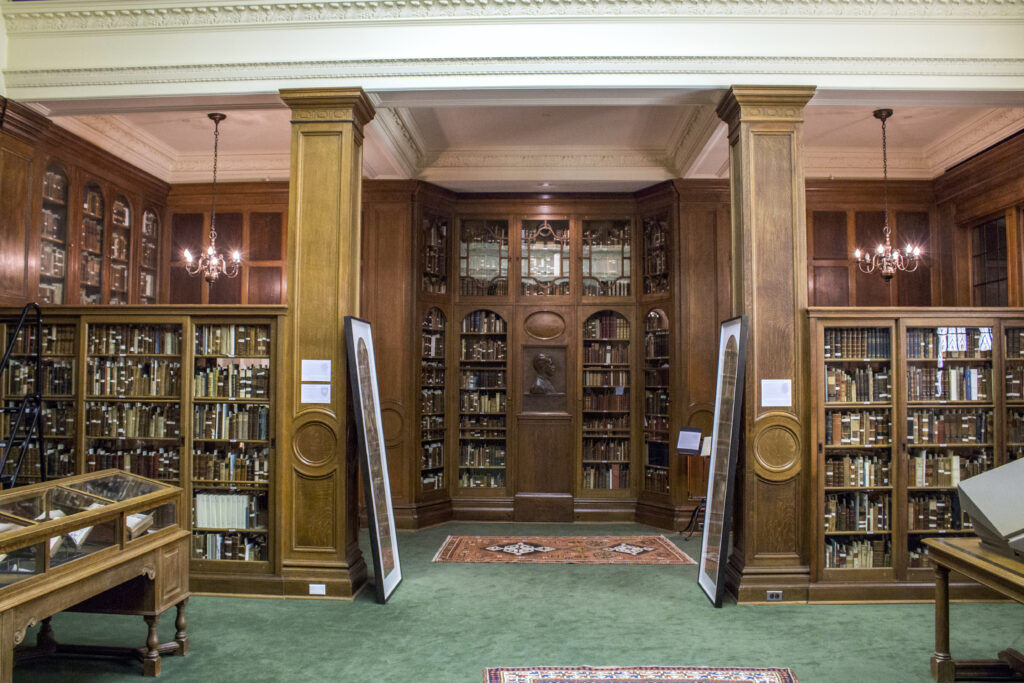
[[483, 401], [90, 244], [120, 250], [53, 237], [606, 404]]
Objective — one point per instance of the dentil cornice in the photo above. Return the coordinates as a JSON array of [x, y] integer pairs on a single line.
[[113, 15]]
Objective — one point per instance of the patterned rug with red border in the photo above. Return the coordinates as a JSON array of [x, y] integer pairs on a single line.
[[562, 550], [636, 674]]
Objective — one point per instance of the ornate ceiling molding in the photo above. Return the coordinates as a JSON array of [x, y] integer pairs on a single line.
[[840, 163], [79, 15], [117, 136], [972, 137], [399, 140], [197, 168], [690, 138], [1011, 69], [549, 157]]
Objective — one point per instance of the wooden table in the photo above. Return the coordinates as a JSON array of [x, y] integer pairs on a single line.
[[1003, 574]]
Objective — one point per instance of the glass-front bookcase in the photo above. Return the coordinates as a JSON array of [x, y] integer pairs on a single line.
[[120, 249], [606, 408], [483, 400], [53, 236], [656, 401], [432, 401], [149, 257], [656, 253], [1013, 359], [544, 258], [483, 257], [606, 257], [434, 236], [91, 239]]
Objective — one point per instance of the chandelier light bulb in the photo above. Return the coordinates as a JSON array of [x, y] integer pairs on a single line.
[[188, 256]]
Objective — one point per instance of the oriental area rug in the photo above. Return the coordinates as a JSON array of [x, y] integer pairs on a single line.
[[562, 550], [637, 674]]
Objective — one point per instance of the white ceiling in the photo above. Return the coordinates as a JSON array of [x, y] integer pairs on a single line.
[[555, 140]]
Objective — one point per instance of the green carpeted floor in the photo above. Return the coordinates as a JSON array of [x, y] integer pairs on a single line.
[[446, 622]]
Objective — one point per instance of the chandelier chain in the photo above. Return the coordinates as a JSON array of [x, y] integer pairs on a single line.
[[885, 180], [213, 210]]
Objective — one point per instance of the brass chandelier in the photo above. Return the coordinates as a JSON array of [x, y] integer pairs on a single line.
[[212, 263], [885, 259]]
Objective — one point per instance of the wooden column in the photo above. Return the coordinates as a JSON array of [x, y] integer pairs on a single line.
[[318, 493], [769, 270]]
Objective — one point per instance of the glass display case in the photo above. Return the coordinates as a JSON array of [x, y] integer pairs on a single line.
[[483, 258], [544, 258], [607, 258]]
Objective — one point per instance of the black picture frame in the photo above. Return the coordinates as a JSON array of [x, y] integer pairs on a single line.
[[714, 551], [362, 381]]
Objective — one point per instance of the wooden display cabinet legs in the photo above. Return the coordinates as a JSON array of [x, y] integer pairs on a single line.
[[47, 645], [1009, 666]]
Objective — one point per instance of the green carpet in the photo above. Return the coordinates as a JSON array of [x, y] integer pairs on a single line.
[[447, 622]]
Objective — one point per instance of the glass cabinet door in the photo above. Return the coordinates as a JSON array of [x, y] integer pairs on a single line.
[[544, 258], [656, 401], [120, 248], [435, 254], [483, 360], [53, 236], [90, 274], [483, 258], [149, 257], [606, 402], [432, 412], [607, 259]]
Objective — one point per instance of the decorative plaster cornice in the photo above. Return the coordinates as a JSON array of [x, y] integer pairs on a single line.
[[231, 167], [549, 157], [690, 138], [400, 140], [972, 137], [99, 15], [115, 135], [923, 67], [840, 163]]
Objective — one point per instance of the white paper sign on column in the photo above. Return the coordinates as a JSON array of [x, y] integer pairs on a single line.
[[776, 393], [316, 393], [316, 370]]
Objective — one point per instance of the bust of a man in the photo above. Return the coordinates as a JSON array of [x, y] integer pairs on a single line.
[[544, 367]]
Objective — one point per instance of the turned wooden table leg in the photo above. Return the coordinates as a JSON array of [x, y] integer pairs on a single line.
[[45, 639], [943, 668], [151, 660], [179, 623]]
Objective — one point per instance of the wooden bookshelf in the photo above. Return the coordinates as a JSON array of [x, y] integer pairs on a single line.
[[53, 234], [606, 406], [433, 422], [483, 401], [657, 402]]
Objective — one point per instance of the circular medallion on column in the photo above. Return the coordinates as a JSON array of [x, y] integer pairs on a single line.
[[392, 422], [777, 449], [314, 444], [544, 325]]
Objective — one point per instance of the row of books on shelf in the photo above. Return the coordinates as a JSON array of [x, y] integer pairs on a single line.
[[121, 213], [433, 344], [656, 344], [483, 322], [432, 455], [949, 425], [87, 297], [231, 467], [593, 423], [135, 339], [493, 422], [1015, 426], [656, 480], [232, 380], [483, 349], [432, 481], [93, 201], [231, 421], [611, 476], [58, 340], [863, 384], [233, 340], [157, 463], [53, 225], [657, 376], [945, 470], [949, 343], [1015, 343], [150, 253], [471, 286], [92, 235], [529, 286], [655, 262], [218, 546], [432, 423], [857, 470], [1014, 381], [616, 377], [57, 377], [482, 379], [229, 510], [858, 428], [605, 353], [606, 450], [91, 272], [119, 245], [476, 479], [434, 321], [656, 402], [934, 512], [51, 292], [127, 377], [860, 511], [432, 401], [856, 342], [483, 402], [656, 284], [602, 401], [119, 277], [861, 554], [949, 384], [52, 260], [606, 326], [482, 455], [432, 373], [55, 186], [610, 287], [132, 420]]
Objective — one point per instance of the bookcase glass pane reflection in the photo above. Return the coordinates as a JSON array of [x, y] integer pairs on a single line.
[[950, 427], [119, 250], [483, 400], [656, 254], [432, 393], [53, 235], [231, 441], [606, 402], [606, 257], [149, 262], [858, 448], [656, 401], [57, 378], [1014, 365], [90, 274], [435, 254], [544, 258], [483, 258]]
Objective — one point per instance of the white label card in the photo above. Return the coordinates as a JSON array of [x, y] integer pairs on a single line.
[[316, 370], [776, 393], [316, 393]]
